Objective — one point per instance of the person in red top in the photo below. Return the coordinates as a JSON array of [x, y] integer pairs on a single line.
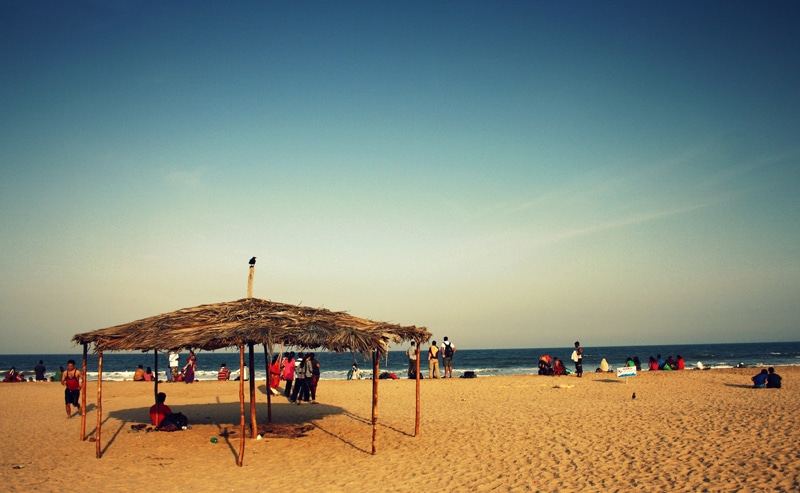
[[72, 379], [159, 411]]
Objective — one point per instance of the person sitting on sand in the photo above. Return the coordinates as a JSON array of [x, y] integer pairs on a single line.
[[224, 373], [544, 365], [680, 362], [13, 376], [760, 380], [671, 364], [159, 410], [148, 375], [637, 363], [558, 367], [603, 368], [138, 375], [653, 364], [773, 379]]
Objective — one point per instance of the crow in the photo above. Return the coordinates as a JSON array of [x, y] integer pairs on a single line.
[[253, 261], [633, 396]]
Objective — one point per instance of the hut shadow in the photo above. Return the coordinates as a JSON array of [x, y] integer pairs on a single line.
[[611, 380], [363, 420]]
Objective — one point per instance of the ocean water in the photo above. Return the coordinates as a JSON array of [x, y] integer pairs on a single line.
[[118, 366]]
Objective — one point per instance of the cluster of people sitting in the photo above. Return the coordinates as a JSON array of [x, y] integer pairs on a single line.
[[659, 363], [14, 376], [142, 375], [551, 366], [767, 379]]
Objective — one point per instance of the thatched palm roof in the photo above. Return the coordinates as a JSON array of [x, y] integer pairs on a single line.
[[251, 320]]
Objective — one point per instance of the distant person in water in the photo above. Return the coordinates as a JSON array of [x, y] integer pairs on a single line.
[[773, 379], [760, 380]]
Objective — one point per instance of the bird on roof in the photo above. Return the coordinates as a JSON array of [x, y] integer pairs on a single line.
[[253, 261]]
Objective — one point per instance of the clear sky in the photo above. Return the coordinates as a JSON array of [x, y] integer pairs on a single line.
[[508, 174]]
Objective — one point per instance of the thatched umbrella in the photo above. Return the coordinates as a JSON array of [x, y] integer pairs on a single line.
[[246, 322]]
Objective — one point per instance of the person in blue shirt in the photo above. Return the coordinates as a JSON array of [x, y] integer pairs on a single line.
[[760, 380]]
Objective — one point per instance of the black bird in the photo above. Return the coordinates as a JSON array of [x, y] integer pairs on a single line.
[[253, 261], [633, 396]]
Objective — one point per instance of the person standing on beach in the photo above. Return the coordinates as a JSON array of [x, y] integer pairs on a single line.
[[577, 357], [433, 361], [412, 360], [288, 374], [40, 370], [448, 351], [72, 379], [173, 359]]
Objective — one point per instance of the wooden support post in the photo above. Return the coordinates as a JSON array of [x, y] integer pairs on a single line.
[[252, 372], [155, 381], [250, 281], [97, 446], [240, 461], [416, 420], [376, 366], [269, 394], [83, 393]]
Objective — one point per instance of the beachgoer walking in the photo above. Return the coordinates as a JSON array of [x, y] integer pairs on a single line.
[[577, 357], [433, 361], [40, 370], [412, 360], [174, 360], [315, 373], [72, 379], [288, 374], [448, 351], [189, 369]]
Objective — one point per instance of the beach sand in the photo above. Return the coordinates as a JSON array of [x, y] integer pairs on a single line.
[[685, 431]]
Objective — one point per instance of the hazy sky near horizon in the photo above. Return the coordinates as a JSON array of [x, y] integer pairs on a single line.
[[515, 174]]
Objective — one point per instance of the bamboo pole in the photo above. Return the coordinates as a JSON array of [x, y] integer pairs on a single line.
[[416, 420], [83, 393], [376, 365], [241, 405], [155, 387], [97, 447], [267, 355], [253, 423]]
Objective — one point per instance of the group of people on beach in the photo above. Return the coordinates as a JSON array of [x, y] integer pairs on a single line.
[[300, 375], [447, 350], [39, 372], [551, 365], [767, 379]]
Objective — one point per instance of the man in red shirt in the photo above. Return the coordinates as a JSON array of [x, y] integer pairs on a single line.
[[159, 411]]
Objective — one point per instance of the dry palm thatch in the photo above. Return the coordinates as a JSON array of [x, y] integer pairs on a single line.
[[252, 320]]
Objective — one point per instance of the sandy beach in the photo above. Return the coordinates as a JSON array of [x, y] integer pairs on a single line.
[[684, 431]]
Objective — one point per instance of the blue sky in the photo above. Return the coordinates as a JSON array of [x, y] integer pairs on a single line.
[[515, 174]]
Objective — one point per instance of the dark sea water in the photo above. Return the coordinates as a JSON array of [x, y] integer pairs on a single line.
[[484, 362]]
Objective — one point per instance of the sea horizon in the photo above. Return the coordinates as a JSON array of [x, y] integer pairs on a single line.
[[120, 365]]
